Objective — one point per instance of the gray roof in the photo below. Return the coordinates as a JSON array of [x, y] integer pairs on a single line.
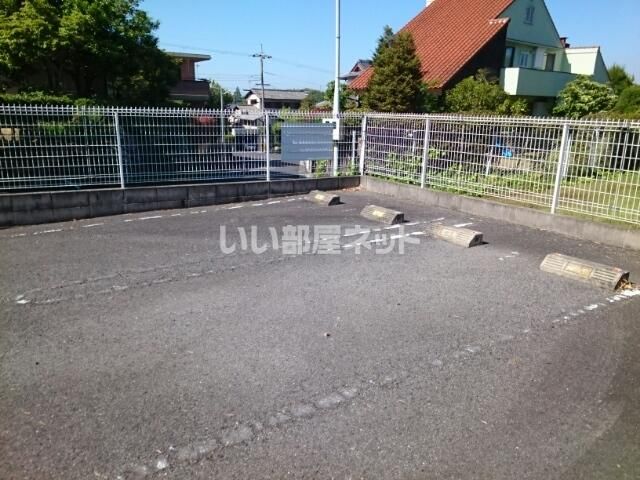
[[272, 94], [199, 57]]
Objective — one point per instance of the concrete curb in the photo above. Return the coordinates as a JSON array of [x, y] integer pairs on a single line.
[[569, 226], [47, 207]]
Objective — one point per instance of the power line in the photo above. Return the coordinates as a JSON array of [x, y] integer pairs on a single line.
[[301, 65], [245, 54], [209, 50]]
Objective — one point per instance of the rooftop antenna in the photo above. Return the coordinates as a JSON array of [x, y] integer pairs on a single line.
[[262, 56]]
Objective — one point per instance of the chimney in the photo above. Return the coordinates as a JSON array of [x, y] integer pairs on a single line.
[[564, 42]]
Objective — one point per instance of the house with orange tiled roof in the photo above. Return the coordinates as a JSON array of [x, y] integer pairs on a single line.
[[515, 38]]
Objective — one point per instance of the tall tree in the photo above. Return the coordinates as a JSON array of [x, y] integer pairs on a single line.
[[237, 96], [396, 83], [312, 99], [344, 101], [383, 41], [105, 47], [619, 78], [214, 99]]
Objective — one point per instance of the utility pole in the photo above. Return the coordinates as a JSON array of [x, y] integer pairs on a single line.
[[336, 85], [262, 56], [336, 95]]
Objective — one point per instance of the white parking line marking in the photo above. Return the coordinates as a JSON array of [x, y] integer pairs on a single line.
[[93, 225], [19, 235], [392, 227], [356, 234], [176, 215], [48, 231], [411, 224], [258, 204], [460, 225], [235, 207], [273, 203], [151, 218]]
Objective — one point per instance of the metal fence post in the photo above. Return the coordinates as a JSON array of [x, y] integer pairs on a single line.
[[336, 148], [354, 136], [116, 123], [425, 152], [267, 145], [363, 140], [562, 159]]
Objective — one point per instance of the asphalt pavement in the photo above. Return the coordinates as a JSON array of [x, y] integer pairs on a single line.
[[310, 343]]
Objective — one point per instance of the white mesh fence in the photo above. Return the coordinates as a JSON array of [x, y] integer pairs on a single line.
[[44, 147], [582, 167]]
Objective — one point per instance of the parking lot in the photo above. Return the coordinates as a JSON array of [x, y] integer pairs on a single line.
[[143, 346]]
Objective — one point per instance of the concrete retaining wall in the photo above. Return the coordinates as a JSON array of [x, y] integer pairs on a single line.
[[44, 207], [570, 226]]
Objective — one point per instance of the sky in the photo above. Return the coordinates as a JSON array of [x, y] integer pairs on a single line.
[[300, 34]]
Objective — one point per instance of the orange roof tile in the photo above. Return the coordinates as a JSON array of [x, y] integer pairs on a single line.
[[447, 34]]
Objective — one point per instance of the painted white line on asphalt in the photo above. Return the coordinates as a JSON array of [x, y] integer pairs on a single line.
[[151, 218], [19, 235], [235, 207], [437, 219], [460, 225], [273, 203], [176, 215], [411, 224], [356, 234], [417, 233], [129, 220], [392, 227], [93, 225], [292, 200], [258, 204], [48, 231], [348, 246]]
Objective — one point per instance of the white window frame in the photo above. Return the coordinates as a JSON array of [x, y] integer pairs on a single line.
[[530, 15], [524, 56]]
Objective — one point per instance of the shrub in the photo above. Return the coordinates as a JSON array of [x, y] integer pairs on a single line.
[[629, 101], [483, 95], [582, 97], [43, 98]]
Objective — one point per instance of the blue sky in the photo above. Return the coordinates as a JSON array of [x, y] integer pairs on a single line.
[[299, 34]]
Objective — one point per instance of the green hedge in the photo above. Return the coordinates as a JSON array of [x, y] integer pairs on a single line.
[[42, 98]]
